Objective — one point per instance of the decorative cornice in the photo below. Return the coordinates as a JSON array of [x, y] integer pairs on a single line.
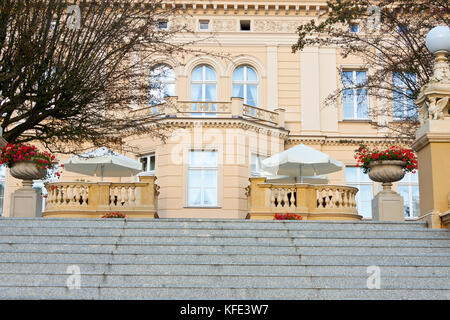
[[231, 123], [240, 7], [430, 137], [342, 140]]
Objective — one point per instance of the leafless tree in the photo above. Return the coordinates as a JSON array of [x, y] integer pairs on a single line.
[[389, 35], [70, 71]]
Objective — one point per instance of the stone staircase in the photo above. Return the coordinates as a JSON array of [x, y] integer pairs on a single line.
[[221, 259]]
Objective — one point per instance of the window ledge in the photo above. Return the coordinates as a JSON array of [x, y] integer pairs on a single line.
[[202, 207], [402, 120], [357, 120]]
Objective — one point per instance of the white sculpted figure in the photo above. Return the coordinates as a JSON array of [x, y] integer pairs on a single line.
[[436, 109]]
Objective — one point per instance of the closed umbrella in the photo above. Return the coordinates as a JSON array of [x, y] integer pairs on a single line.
[[301, 161], [103, 162]]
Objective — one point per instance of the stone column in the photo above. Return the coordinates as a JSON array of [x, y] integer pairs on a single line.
[[432, 144], [26, 201], [388, 205]]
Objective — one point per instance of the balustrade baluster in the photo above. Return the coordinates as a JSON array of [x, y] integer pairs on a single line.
[[77, 195], [61, 195], [121, 196], [272, 197], [70, 194], [327, 198], [133, 195], [285, 198], [127, 196], [115, 198]]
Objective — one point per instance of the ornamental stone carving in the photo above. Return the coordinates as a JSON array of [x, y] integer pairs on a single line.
[[433, 99], [224, 25], [277, 26]]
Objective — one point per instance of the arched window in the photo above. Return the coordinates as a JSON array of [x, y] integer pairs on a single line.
[[162, 83], [245, 85], [203, 87]]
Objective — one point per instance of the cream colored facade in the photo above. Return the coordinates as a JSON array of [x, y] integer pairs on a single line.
[[292, 86]]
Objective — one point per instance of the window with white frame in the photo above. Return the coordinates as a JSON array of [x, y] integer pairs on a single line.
[[355, 177], [354, 28], [162, 83], [2, 187], [163, 25], [404, 107], [148, 163], [255, 165], [408, 188], [355, 99], [39, 185], [202, 178], [203, 88], [245, 85], [402, 29]]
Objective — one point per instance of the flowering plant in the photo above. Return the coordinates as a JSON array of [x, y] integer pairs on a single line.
[[14, 153], [116, 214], [365, 156], [287, 216]]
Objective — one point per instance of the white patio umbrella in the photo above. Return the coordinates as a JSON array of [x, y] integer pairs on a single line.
[[103, 162], [301, 161]]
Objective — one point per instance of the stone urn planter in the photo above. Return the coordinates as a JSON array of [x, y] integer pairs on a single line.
[[27, 172], [386, 172]]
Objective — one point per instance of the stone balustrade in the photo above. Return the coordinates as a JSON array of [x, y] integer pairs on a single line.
[[94, 199], [260, 114], [313, 202], [235, 108]]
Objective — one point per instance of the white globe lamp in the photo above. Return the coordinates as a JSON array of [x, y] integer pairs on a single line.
[[438, 39]]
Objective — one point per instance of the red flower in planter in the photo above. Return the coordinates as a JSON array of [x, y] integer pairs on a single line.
[[365, 156], [14, 153]]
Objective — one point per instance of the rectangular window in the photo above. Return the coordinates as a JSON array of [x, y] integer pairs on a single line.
[[202, 178], [402, 29], [245, 25], [203, 25], [255, 165], [408, 188], [404, 106], [2, 187], [355, 177], [39, 185], [355, 101], [163, 25], [354, 28], [148, 163]]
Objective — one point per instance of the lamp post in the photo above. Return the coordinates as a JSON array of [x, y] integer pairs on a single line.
[[432, 142]]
